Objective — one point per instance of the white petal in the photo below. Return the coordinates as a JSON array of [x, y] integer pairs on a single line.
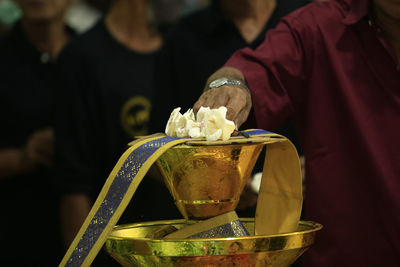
[[195, 132], [227, 130], [171, 124], [214, 136], [202, 112]]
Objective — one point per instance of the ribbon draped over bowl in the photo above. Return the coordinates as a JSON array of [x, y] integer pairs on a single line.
[[278, 206]]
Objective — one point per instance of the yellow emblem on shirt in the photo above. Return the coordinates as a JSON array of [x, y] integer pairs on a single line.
[[135, 116]]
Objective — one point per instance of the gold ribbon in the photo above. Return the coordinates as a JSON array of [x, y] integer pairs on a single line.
[[280, 198], [278, 208]]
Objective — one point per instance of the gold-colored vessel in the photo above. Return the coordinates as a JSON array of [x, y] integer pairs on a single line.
[[129, 245], [207, 181]]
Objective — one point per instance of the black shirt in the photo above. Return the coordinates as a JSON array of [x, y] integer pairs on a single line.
[[26, 91], [29, 204], [103, 104], [195, 48]]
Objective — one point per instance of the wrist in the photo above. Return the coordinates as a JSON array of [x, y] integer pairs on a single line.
[[229, 73], [226, 81], [24, 164]]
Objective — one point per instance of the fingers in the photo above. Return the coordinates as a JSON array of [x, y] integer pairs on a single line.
[[45, 137], [215, 98], [44, 145], [242, 116], [221, 97], [239, 106], [235, 99], [207, 99], [39, 148], [37, 156], [235, 133], [234, 106]]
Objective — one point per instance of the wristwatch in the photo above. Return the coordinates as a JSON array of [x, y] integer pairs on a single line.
[[223, 81]]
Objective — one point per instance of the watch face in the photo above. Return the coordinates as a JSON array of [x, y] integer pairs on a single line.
[[218, 82]]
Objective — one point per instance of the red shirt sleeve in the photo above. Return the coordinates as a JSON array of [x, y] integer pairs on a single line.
[[275, 73]]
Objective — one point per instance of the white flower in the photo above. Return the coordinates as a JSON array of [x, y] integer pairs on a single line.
[[195, 131], [203, 111], [216, 126], [210, 123], [170, 129]]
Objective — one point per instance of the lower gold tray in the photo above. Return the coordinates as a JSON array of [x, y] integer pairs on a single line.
[[129, 246]]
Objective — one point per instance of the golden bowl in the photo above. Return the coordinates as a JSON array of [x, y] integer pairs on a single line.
[[207, 180], [129, 245]]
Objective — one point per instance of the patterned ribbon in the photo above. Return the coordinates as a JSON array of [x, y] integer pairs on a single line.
[[224, 225], [132, 166]]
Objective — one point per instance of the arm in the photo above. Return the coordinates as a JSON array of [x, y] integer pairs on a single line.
[[11, 162], [37, 151], [275, 73], [74, 208]]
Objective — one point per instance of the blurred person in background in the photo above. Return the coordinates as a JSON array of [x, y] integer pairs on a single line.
[[105, 101], [29, 225], [200, 44], [9, 14]]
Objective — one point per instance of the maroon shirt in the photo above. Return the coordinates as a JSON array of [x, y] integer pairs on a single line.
[[330, 68]]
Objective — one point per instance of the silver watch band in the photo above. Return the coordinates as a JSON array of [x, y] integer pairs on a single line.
[[224, 81]]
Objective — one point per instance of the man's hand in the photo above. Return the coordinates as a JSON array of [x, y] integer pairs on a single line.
[[37, 151], [39, 148], [236, 99]]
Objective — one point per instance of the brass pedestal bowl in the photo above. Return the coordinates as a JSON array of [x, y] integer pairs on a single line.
[[130, 246], [207, 180]]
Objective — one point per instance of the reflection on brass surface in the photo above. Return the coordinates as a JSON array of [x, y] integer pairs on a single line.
[[128, 245], [207, 181]]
